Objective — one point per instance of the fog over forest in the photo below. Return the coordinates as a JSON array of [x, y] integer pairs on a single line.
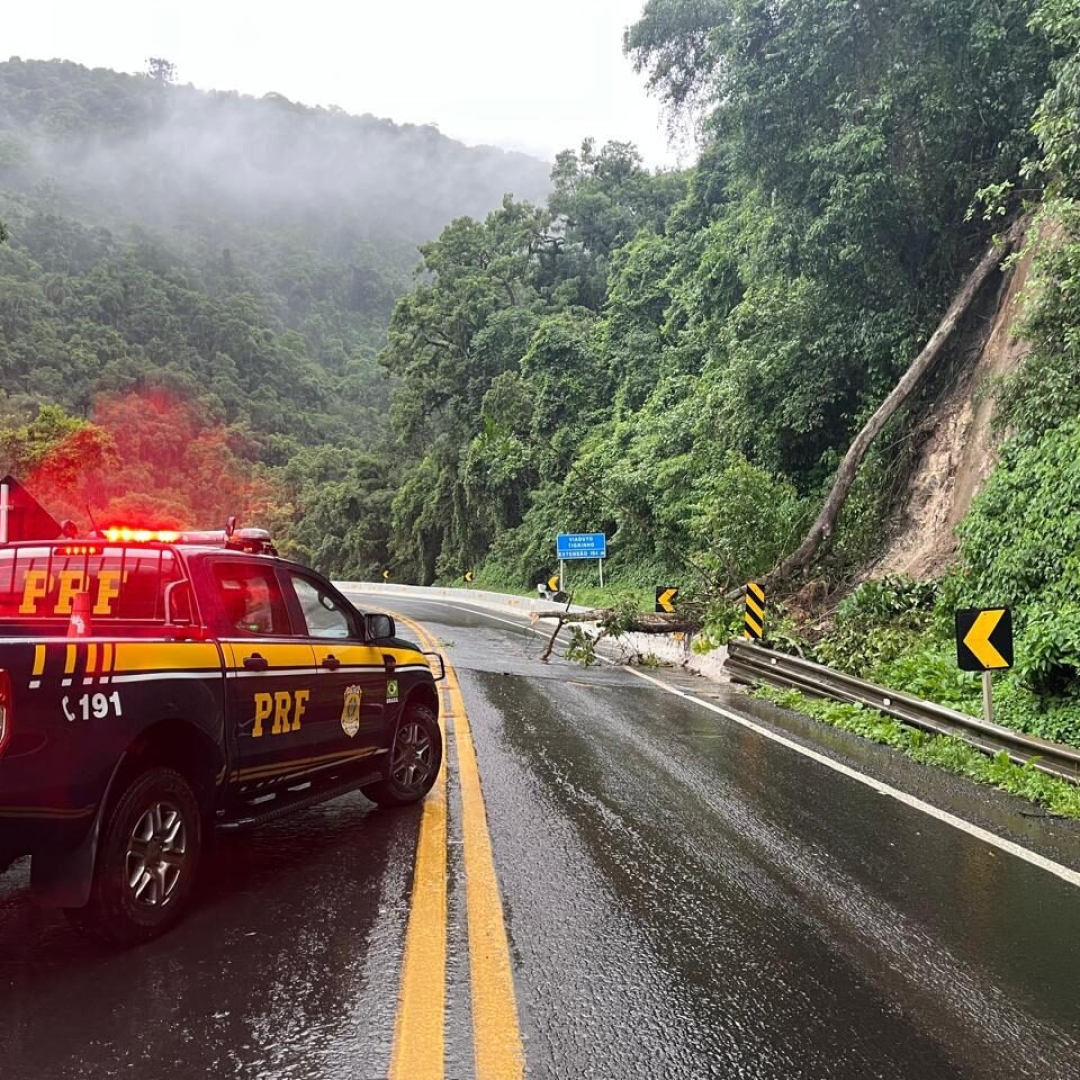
[[174, 156]]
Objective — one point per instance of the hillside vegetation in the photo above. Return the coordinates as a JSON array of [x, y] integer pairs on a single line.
[[676, 359], [680, 361], [208, 278]]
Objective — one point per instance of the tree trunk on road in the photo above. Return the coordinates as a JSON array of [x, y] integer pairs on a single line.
[[643, 623]]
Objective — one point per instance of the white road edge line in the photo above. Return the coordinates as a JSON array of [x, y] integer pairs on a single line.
[[1072, 877], [1051, 867]]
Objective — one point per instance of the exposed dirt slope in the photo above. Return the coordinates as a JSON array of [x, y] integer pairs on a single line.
[[958, 449]]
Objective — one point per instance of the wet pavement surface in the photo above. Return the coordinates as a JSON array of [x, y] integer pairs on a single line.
[[683, 897], [287, 966]]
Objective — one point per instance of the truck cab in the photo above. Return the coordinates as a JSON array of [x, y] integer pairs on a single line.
[[154, 687]]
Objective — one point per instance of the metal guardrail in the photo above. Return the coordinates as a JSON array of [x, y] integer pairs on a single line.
[[751, 663]]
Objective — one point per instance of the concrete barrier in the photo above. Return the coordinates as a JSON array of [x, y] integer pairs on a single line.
[[476, 597]]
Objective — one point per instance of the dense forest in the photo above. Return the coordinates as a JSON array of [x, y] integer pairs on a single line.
[[200, 287], [194, 292]]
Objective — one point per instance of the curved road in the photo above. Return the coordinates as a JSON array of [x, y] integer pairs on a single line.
[[681, 897]]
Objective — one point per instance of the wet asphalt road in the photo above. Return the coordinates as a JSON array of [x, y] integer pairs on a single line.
[[683, 899]]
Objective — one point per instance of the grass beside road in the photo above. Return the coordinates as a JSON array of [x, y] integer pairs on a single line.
[[1058, 796]]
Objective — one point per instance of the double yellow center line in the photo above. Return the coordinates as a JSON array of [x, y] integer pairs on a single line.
[[420, 1028]]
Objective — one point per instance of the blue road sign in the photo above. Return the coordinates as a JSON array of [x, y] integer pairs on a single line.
[[581, 546]]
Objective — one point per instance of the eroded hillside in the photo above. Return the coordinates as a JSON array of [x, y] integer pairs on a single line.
[[956, 437]]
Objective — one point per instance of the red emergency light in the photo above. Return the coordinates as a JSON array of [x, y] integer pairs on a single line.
[[124, 534]]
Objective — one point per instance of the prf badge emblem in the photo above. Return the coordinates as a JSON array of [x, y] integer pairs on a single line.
[[350, 713], [391, 691]]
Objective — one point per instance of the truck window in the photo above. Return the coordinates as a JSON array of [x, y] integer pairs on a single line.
[[251, 600], [323, 616], [124, 584]]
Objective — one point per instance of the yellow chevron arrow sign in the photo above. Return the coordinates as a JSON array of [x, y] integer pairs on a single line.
[[984, 639], [665, 598]]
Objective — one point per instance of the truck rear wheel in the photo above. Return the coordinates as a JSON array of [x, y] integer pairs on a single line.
[[415, 759], [147, 860]]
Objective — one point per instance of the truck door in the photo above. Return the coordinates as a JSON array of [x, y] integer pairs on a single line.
[[351, 681], [270, 674]]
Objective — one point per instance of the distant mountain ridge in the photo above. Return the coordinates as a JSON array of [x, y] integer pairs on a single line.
[[170, 149]]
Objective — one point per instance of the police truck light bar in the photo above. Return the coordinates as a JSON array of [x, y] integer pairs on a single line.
[[122, 534], [252, 541]]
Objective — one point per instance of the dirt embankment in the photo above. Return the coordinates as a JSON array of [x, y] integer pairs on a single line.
[[957, 448]]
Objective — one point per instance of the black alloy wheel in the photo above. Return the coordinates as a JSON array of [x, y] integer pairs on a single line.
[[415, 759], [147, 860]]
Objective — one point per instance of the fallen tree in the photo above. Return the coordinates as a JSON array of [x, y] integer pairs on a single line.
[[822, 528], [612, 622], [640, 623]]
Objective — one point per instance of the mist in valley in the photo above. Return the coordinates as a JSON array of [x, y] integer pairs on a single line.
[[113, 148]]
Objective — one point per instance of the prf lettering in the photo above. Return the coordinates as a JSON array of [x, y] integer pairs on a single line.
[[67, 584], [284, 706]]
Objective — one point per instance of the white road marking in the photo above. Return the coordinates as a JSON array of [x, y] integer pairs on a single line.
[[1051, 867]]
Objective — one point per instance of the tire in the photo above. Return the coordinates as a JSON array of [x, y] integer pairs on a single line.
[[415, 759], [147, 860]]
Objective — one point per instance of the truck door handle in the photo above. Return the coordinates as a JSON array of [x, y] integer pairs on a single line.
[[255, 662], [331, 662]]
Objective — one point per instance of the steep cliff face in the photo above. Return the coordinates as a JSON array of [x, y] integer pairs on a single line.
[[957, 446]]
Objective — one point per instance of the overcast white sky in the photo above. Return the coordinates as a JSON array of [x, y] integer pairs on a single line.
[[537, 75]]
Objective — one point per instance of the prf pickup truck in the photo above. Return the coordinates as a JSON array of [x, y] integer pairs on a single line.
[[151, 691]]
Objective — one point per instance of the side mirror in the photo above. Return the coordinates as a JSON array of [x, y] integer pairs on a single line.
[[377, 627]]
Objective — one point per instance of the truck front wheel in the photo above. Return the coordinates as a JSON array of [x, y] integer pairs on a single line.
[[415, 759], [147, 860]]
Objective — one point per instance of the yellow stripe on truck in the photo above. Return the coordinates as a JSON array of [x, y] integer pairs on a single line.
[[348, 655], [405, 656], [276, 654], [166, 656]]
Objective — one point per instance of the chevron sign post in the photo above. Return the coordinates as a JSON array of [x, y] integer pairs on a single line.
[[665, 598], [984, 642]]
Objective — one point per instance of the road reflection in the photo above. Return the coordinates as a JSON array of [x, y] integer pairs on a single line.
[[287, 966]]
